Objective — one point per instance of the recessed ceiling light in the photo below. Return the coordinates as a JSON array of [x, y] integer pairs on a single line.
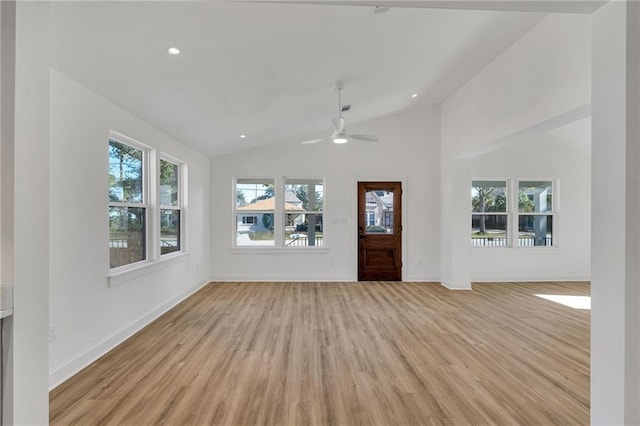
[[415, 95], [173, 51], [243, 136]]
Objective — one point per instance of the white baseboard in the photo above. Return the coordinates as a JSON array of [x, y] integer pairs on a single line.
[[422, 279], [67, 369], [283, 278], [456, 285], [529, 279]]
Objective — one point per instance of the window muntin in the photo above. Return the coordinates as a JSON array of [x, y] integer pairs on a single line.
[[170, 207], [303, 212], [256, 199], [489, 219], [535, 213]]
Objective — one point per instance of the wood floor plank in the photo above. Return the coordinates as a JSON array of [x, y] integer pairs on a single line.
[[368, 353]]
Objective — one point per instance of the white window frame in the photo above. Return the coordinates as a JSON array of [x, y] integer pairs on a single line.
[[509, 209], [276, 223], [293, 181], [552, 213], [151, 202], [146, 150], [513, 212], [182, 175], [279, 217]]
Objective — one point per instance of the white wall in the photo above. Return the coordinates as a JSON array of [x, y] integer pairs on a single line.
[[513, 119], [563, 154], [31, 225], [543, 75], [91, 317], [408, 151], [615, 288]]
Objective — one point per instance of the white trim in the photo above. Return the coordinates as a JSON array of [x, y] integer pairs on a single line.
[[62, 372], [422, 279], [284, 278], [140, 269], [279, 214], [304, 181], [279, 250], [519, 279], [151, 158], [513, 215], [122, 138], [234, 191], [148, 160], [182, 189], [451, 285], [546, 250]]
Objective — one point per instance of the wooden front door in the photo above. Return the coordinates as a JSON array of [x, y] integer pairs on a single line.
[[379, 231]]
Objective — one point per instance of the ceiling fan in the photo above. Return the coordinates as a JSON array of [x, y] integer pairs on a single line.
[[340, 134]]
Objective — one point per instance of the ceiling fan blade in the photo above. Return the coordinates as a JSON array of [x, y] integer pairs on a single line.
[[338, 124], [312, 141], [363, 138]]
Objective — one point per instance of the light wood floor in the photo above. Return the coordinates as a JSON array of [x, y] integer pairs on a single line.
[[371, 353]]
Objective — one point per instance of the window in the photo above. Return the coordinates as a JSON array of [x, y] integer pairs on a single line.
[[146, 203], [378, 217], [512, 213], [249, 220], [255, 209], [535, 213], [170, 207], [370, 217], [279, 212], [127, 204], [489, 220], [303, 210]]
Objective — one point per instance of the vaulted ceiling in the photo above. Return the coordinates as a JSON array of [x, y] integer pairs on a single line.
[[266, 70]]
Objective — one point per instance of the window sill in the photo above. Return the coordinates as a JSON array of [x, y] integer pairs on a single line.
[[118, 277], [279, 250], [516, 250]]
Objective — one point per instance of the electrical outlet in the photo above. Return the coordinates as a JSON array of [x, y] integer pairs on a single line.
[[53, 333]]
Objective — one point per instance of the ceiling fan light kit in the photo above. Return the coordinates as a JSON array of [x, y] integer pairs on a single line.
[[340, 135]]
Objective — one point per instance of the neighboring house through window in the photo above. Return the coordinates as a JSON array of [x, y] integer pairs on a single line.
[[379, 212], [286, 214], [535, 213], [255, 207], [304, 210]]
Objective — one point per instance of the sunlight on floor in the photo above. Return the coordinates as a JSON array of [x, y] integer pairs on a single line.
[[575, 302]]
